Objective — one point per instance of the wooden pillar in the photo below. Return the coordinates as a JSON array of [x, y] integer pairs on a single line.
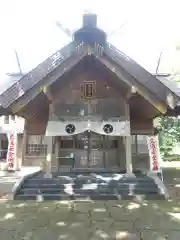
[[136, 145], [103, 139], [121, 153], [14, 138], [128, 155], [48, 160], [49, 139], [128, 145], [57, 145], [136, 150], [24, 144], [49, 142], [19, 148]]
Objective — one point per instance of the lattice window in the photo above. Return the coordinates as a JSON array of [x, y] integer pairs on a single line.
[[83, 160], [36, 146]]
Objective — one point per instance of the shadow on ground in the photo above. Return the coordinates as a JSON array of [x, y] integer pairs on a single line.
[[148, 220]]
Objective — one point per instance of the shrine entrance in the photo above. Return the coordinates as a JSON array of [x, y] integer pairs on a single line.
[[88, 150]]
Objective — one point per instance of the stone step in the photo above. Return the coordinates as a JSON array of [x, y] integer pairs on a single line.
[[102, 186], [41, 190], [84, 187], [137, 180], [89, 180], [99, 187], [45, 185], [44, 197], [145, 191], [48, 181], [143, 184], [88, 190], [87, 197], [64, 196], [63, 191], [93, 176]]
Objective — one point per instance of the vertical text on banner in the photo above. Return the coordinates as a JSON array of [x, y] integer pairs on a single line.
[[154, 153], [11, 154]]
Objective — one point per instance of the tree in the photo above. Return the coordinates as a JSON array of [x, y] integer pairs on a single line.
[[169, 133]]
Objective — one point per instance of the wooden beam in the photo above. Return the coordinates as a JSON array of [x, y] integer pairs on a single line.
[[47, 92], [130, 81], [131, 92]]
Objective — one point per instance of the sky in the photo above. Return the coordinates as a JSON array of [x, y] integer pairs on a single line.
[[149, 27]]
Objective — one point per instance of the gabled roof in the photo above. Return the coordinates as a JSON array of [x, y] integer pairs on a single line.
[[172, 85], [142, 76], [20, 87], [6, 81], [77, 49]]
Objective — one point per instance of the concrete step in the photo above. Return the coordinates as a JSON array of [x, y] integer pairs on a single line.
[[65, 186], [49, 181], [64, 196], [87, 180], [43, 185], [102, 186], [44, 197], [99, 187], [88, 190], [42, 190], [85, 197]]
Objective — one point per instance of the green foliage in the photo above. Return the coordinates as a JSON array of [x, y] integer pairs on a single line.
[[169, 133]]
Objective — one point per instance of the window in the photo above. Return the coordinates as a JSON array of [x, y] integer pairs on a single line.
[[35, 139], [36, 146], [12, 118], [88, 89], [142, 139], [66, 144], [36, 150], [6, 119]]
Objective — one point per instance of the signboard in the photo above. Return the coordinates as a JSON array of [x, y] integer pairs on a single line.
[[154, 153], [11, 154]]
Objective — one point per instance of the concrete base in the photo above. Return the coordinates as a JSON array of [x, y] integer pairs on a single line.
[[130, 175], [159, 182], [47, 175]]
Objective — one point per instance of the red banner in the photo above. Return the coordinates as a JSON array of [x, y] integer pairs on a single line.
[[11, 154], [154, 153]]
